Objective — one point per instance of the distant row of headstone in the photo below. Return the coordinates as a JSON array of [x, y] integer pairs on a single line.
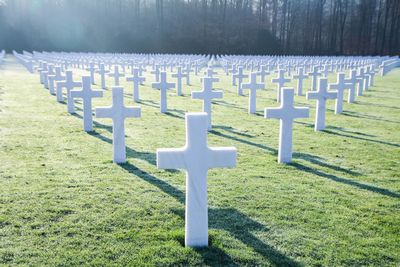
[[250, 73]]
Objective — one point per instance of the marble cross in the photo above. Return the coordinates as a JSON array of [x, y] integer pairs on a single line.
[[116, 75], [351, 85], [68, 84], [196, 157], [339, 86], [321, 95], [240, 76], [178, 75], [92, 70], [163, 86], [286, 113], [207, 95], [300, 76], [55, 78], [314, 74], [136, 80], [280, 81], [50, 71], [102, 72], [86, 93], [253, 86], [118, 112]]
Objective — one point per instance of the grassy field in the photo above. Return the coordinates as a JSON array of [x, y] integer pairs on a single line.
[[64, 203]]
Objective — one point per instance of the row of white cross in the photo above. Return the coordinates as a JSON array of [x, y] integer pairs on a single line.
[[196, 157]]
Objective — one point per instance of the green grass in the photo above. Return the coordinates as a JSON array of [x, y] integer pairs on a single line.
[[64, 203]]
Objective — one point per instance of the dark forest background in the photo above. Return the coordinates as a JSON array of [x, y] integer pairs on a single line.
[[308, 27]]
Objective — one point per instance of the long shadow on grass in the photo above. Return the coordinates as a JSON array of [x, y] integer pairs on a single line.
[[131, 153], [376, 105], [96, 124], [365, 116], [362, 138], [371, 188], [229, 219], [304, 156]]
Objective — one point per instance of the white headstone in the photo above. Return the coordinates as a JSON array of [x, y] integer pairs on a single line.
[[86, 94], [116, 75], [286, 113], [163, 86], [136, 80], [178, 75], [321, 95], [118, 113], [314, 74], [280, 81], [240, 76], [339, 86], [207, 95], [68, 84], [102, 72], [300, 76], [196, 158], [253, 86]]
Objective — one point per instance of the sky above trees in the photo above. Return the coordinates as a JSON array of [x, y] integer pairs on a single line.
[[300, 27]]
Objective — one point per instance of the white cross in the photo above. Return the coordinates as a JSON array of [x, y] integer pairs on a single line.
[[136, 80], [286, 113], [314, 74], [116, 74], [263, 72], [55, 78], [321, 95], [280, 81], [207, 95], [188, 70], [351, 84], [92, 70], [300, 77], [118, 113], [102, 71], [240, 76], [178, 75], [156, 73], [360, 81], [253, 86], [86, 94], [50, 71], [163, 86], [42, 70], [196, 157], [68, 84], [339, 86]]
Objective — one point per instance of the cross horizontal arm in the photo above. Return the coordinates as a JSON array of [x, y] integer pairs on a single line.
[[222, 157], [104, 112], [171, 158]]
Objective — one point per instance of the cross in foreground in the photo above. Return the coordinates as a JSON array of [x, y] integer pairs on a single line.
[[196, 158], [118, 113], [286, 113]]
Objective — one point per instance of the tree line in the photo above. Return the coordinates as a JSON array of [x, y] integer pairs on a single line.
[[278, 27]]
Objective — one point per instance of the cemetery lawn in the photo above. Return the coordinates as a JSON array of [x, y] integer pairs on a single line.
[[64, 203]]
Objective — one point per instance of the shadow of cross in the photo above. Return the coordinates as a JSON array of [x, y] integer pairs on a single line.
[[231, 220], [242, 227]]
